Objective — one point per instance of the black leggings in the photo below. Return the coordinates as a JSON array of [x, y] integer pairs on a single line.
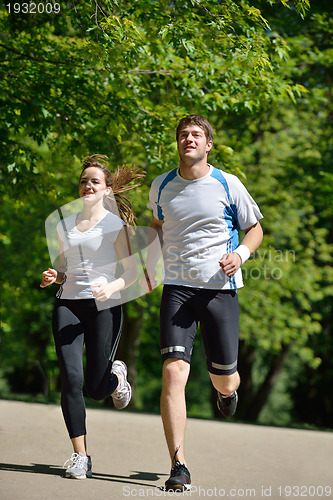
[[75, 323]]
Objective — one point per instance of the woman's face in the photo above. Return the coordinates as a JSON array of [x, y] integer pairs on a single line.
[[92, 184]]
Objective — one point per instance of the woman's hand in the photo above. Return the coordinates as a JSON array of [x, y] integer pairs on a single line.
[[49, 277], [104, 291]]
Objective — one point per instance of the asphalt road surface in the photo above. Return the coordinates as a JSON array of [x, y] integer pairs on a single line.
[[130, 460]]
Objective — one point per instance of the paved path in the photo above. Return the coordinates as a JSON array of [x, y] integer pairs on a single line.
[[226, 460]]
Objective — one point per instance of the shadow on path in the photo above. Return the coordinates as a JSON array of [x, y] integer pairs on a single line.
[[53, 470]]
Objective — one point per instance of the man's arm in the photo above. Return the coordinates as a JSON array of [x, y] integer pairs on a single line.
[[253, 237], [230, 262]]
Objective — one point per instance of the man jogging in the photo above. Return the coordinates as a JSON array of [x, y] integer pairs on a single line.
[[198, 211]]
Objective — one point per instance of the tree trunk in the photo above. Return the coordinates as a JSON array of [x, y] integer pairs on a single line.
[[263, 393], [128, 348], [245, 366]]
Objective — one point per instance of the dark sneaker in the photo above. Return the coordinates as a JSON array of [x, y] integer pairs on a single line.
[[179, 479], [227, 405], [78, 466]]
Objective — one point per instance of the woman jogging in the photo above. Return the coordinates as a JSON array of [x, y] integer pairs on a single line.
[[90, 242]]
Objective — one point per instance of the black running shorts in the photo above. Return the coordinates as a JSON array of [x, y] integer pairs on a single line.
[[184, 308]]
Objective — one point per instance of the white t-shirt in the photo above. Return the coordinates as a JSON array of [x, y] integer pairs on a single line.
[[201, 220], [90, 256]]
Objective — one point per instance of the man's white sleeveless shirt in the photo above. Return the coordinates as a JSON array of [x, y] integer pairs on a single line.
[[201, 219]]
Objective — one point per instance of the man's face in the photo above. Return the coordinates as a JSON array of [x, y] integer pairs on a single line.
[[192, 144]]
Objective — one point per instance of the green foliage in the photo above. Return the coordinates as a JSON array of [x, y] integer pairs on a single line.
[[288, 293], [295, 241], [301, 6], [118, 82], [114, 78]]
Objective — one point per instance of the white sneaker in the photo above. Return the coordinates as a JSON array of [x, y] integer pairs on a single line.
[[122, 395], [78, 466]]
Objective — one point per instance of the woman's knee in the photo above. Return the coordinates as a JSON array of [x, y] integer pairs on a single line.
[[96, 393], [72, 381]]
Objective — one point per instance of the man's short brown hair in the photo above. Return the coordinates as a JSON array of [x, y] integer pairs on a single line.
[[198, 120]]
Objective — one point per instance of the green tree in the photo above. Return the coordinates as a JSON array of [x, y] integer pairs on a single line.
[[117, 83], [287, 152], [113, 81]]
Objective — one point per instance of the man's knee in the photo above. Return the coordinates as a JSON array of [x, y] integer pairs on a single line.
[[226, 384], [175, 372]]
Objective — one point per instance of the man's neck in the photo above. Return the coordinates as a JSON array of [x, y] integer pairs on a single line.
[[193, 171]]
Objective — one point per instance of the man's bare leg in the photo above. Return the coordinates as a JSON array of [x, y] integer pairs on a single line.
[[173, 405]]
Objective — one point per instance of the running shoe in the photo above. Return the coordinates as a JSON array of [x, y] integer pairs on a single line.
[[179, 479], [122, 395], [78, 466], [227, 405]]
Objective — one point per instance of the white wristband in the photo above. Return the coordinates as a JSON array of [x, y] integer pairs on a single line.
[[243, 252]]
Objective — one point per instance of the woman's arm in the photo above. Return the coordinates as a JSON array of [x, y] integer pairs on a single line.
[[52, 275], [130, 274], [155, 242]]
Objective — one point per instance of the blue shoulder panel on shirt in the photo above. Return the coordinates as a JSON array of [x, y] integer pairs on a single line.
[[171, 175], [231, 211], [231, 218], [217, 174]]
